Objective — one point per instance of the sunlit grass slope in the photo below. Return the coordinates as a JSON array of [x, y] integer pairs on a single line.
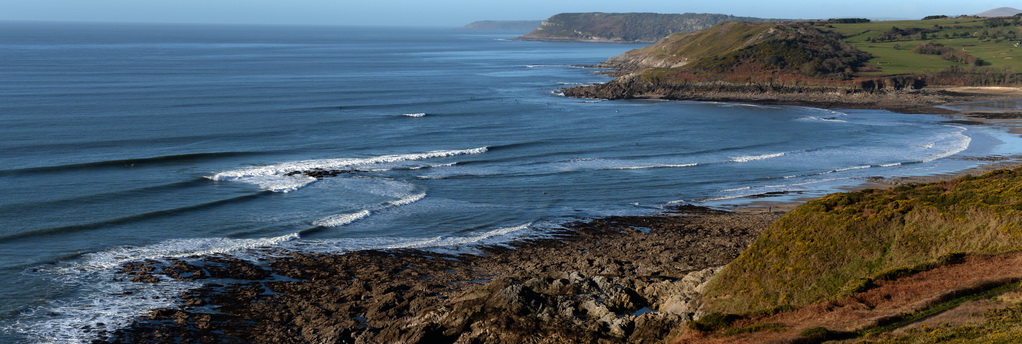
[[836, 244]]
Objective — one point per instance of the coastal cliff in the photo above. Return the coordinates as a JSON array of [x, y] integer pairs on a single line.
[[625, 27]]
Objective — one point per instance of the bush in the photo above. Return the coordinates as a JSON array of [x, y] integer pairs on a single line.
[[949, 53], [713, 322], [849, 20], [815, 333]]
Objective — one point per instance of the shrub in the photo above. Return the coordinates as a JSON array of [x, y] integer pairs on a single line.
[[713, 322]]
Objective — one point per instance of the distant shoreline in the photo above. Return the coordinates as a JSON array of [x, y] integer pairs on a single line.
[[931, 100]]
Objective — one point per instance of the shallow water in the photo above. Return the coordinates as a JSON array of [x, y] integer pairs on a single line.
[[125, 142]]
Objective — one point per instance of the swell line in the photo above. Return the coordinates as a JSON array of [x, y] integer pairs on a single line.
[[127, 163], [132, 218], [93, 198]]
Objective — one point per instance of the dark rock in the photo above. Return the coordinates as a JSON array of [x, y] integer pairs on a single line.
[[587, 286]]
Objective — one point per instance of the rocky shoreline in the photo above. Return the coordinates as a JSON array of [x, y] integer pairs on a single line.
[[612, 280], [913, 101]]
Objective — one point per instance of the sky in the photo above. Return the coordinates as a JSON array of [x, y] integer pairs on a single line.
[[454, 13]]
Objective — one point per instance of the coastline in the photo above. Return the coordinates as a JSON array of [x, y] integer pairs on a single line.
[[614, 279], [931, 100]]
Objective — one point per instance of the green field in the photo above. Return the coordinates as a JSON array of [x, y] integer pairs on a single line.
[[895, 56]]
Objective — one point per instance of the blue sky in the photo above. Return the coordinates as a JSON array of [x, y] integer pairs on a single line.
[[454, 12]]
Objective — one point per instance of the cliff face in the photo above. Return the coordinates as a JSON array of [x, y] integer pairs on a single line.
[[625, 27]]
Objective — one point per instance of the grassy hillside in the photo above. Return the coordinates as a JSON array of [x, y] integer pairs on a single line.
[[892, 42], [835, 245], [626, 27], [717, 41], [750, 52], [862, 55]]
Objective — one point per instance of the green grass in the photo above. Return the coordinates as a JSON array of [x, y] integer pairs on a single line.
[[716, 41], [836, 244], [1000, 54], [902, 61]]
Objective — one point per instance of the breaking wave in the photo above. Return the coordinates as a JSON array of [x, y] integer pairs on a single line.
[[407, 200], [643, 167], [748, 158], [341, 219], [275, 177]]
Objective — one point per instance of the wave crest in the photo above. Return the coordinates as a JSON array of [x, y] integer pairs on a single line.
[[341, 219], [748, 158], [275, 177]]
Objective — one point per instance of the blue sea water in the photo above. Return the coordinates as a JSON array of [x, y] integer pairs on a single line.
[[125, 142]]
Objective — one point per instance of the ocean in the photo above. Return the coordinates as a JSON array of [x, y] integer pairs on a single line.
[[130, 142]]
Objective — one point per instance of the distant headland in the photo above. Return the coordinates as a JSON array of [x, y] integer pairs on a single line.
[[626, 27], [503, 25]]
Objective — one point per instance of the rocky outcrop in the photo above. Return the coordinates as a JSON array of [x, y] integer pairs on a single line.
[[903, 100], [615, 280]]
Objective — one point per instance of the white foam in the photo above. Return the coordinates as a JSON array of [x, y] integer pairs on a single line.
[[341, 219], [407, 200], [547, 66], [278, 182], [956, 142], [822, 119], [415, 115], [273, 178], [643, 167], [891, 164], [177, 248], [501, 234], [114, 304], [725, 198], [748, 158], [764, 189], [433, 166], [851, 168], [461, 244], [738, 189], [104, 297]]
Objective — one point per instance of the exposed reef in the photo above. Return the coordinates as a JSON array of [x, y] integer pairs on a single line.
[[613, 280]]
